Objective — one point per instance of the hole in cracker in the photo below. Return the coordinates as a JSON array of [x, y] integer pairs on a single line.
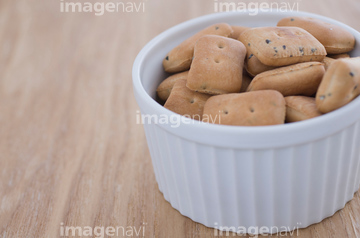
[[221, 46], [217, 61], [192, 101], [226, 112], [252, 110]]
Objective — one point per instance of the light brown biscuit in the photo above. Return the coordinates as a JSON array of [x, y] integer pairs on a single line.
[[246, 80], [253, 65], [300, 108], [281, 46], [340, 85], [335, 38], [339, 56], [327, 62], [179, 59], [299, 79], [217, 66], [186, 102], [165, 87], [260, 108], [237, 31]]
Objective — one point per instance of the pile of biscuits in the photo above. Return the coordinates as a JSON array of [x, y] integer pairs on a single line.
[[235, 75]]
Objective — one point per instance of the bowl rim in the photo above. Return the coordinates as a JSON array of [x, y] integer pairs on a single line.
[[248, 137]]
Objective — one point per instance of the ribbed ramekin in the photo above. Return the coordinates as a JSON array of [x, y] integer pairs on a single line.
[[291, 175]]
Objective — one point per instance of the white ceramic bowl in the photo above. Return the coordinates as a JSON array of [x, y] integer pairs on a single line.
[[291, 175]]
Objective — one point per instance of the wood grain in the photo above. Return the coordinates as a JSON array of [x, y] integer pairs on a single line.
[[71, 152]]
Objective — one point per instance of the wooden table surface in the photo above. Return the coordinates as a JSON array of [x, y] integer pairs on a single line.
[[71, 153]]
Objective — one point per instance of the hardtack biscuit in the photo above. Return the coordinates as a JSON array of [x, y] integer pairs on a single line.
[[217, 66], [165, 87], [335, 38], [327, 62], [298, 79], [258, 108], [246, 80], [253, 65], [300, 108], [340, 85], [186, 102], [237, 30], [280, 46], [179, 59]]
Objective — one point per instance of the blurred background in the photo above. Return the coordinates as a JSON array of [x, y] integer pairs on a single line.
[[71, 152]]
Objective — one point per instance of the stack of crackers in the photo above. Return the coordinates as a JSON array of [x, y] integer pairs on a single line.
[[235, 75]]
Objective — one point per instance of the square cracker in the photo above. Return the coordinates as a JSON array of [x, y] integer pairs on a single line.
[[217, 66], [185, 102], [281, 46]]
